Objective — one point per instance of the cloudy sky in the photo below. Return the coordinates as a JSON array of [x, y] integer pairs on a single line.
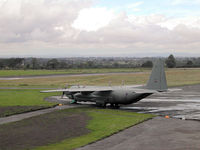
[[66, 28]]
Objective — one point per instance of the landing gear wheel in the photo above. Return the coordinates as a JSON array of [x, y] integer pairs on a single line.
[[104, 105], [114, 106]]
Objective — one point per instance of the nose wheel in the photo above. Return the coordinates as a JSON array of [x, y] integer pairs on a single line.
[[101, 105]]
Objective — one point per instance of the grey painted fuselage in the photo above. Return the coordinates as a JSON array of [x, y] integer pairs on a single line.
[[119, 96]]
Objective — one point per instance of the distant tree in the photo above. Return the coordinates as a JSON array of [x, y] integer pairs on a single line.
[[147, 64], [116, 65], [1, 64], [171, 61], [27, 66], [189, 63], [14, 63], [34, 63], [90, 64], [198, 61], [62, 65], [52, 64]]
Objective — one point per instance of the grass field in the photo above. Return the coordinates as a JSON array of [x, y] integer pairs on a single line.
[[66, 129], [175, 77], [24, 98], [18, 101], [104, 123], [12, 73]]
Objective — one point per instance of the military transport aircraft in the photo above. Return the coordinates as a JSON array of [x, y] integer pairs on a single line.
[[115, 95]]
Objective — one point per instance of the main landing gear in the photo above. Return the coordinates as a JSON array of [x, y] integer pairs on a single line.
[[114, 106]]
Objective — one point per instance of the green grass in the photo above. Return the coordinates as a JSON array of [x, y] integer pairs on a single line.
[[12, 73], [24, 98], [104, 123], [175, 77]]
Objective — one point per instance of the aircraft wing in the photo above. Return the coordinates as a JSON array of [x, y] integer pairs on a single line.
[[100, 89], [81, 89]]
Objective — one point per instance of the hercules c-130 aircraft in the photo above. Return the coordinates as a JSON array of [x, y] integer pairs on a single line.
[[115, 95]]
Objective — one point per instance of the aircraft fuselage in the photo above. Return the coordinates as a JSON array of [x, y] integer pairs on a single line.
[[112, 97]]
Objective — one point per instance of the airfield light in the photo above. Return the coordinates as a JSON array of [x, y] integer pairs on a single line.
[[167, 117]]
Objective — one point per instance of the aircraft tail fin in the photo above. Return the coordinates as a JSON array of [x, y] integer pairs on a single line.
[[157, 80]]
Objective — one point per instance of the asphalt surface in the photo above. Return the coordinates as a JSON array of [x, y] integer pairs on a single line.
[[180, 132], [183, 103], [156, 134]]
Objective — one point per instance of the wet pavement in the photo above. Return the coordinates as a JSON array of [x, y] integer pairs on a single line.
[[160, 133], [183, 103], [155, 134]]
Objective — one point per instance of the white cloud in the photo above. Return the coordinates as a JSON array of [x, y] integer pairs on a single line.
[[147, 19], [190, 22], [26, 20], [67, 27], [92, 19]]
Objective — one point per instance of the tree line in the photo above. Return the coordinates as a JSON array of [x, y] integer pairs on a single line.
[[68, 63]]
